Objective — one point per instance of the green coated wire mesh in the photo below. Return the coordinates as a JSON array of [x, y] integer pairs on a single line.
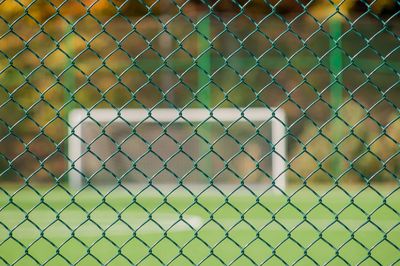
[[199, 132]]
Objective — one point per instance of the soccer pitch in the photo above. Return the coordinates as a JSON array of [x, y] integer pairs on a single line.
[[200, 227]]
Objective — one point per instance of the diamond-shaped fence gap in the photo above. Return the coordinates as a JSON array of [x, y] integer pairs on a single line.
[[104, 250], [384, 248], [87, 96], [304, 95], [41, 79], [308, 197], [18, 44], [42, 112], [25, 62], [241, 166], [236, 24], [148, 61], [103, 44], [16, 10], [12, 215], [164, 79], [304, 61], [296, 251], [367, 60], [180, 27], [26, 95], [149, 27], [164, 44], [288, 43], [234, 250], [25, 164], [55, 126], [41, 244], [141, 250], [132, 78], [319, 78], [271, 94], [257, 78], [314, 251], [117, 94], [87, 198], [179, 60], [226, 44], [119, 27], [290, 79], [241, 61], [103, 79], [321, 216], [41, 40], [143, 96], [352, 248], [87, 62], [384, 106], [304, 33], [258, 250], [219, 233], [384, 79], [53, 61], [226, 77], [252, 41], [159, 250], [353, 43], [150, 164], [118, 61], [78, 247], [196, 249], [28, 231], [19, 254], [367, 26], [235, 97], [180, 164], [22, 31], [292, 211], [103, 10], [318, 43], [133, 37], [87, 27]]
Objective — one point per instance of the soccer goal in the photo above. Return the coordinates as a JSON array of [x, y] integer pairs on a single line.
[[224, 146]]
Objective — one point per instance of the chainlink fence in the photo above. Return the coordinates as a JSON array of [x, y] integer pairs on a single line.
[[199, 132]]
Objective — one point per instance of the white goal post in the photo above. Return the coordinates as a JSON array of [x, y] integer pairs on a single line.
[[79, 117]]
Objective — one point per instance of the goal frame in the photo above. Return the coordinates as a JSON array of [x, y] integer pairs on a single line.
[[78, 117]]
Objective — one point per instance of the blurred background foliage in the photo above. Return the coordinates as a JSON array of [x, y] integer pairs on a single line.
[[59, 55]]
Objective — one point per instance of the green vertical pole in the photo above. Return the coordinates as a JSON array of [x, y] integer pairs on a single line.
[[336, 62], [204, 63]]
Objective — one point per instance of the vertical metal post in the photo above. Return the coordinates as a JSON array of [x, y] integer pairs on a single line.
[[336, 62], [204, 61], [74, 178]]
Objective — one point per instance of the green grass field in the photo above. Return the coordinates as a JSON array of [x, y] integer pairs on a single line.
[[203, 228]]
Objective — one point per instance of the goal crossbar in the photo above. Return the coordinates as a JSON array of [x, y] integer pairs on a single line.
[[78, 118]]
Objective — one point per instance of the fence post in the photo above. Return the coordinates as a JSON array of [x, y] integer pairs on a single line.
[[335, 64]]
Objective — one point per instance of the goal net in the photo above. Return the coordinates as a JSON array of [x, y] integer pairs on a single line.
[[168, 146]]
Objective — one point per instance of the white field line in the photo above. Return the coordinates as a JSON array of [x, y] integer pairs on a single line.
[[197, 223]]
